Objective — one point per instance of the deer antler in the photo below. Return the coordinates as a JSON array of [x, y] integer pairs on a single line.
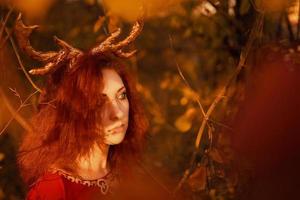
[[107, 45], [69, 55], [54, 60]]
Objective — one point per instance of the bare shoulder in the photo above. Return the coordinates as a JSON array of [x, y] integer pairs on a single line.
[[49, 186]]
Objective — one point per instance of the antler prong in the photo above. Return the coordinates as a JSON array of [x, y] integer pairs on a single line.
[[136, 29], [51, 66], [22, 35], [107, 47], [54, 60], [43, 70], [122, 54], [113, 36], [68, 55], [64, 44], [106, 43]]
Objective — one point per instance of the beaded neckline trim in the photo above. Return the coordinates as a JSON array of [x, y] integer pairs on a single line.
[[104, 183]]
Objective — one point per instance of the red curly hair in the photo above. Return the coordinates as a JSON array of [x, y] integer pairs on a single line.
[[65, 125]]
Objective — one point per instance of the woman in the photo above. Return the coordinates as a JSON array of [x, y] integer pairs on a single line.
[[87, 130], [89, 127]]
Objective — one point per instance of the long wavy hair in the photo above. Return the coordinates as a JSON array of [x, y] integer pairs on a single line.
[[65, 125]]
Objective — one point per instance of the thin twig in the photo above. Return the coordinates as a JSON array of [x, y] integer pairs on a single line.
[[256, 29], [5, 39], [244, 54], [154, 178], [24, 104], [48, 103], [189, 170], [21, 63], [184, 79], [220, 124], [5, 21], [15, 113], [15, 92]]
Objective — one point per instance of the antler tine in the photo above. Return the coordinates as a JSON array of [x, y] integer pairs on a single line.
[[113, 37], [22, 35], [65, 45], [105, 45], [51, 66], [54, 60], [136, 29], [122, 54]]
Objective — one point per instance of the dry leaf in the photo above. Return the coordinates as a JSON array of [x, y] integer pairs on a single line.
[[197, 181], [216, 156]]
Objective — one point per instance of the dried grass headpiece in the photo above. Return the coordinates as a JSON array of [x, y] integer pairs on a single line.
[[68, 55]]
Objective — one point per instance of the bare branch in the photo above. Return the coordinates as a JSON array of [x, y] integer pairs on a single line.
[[256, 30], [21, 63], [4, 22], [24, 104], [14, 113], [154, 178], [15, 92], [189, 170], [184, 79], [5, 39]]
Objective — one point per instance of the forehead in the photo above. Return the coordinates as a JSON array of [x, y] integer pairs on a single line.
[[112, 82]]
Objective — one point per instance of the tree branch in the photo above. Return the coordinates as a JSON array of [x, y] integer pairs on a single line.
[[21, 63], [22, 105], [255, 31], [15, 113], [5, 21]]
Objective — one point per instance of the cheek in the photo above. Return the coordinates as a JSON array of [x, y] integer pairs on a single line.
[[124, 107]]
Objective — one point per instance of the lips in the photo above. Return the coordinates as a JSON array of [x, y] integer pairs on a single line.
[[117, 129]]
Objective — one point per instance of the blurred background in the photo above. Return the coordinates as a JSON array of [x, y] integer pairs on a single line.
[[198, 63]]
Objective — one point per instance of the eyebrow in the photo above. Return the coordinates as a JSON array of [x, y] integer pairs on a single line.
[[117, 91]]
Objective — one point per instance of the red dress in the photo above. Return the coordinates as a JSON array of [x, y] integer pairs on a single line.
[[53, 186]]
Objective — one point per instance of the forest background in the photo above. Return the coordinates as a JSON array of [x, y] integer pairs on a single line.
[[193, 60]]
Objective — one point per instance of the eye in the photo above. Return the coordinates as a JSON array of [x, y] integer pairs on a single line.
[[123, 96]]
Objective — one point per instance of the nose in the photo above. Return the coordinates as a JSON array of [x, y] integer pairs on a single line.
[[116, 111]]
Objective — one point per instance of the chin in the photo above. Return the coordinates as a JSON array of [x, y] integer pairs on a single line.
[[114, 139]]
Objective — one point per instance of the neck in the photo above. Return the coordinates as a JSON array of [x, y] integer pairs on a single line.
[[94, 165]]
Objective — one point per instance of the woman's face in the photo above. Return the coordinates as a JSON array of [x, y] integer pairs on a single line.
[[116, 109]]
